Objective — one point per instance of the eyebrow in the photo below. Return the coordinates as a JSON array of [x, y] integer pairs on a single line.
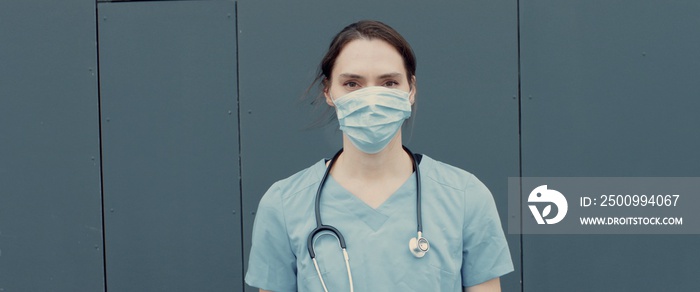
[[383, 76], [390, 75], [350, 76]]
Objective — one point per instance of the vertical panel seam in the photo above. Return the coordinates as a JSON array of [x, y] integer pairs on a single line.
[[520, 148], [99, 124], [240, 164]]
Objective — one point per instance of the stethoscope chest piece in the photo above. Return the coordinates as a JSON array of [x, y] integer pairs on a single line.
[[419, 245]]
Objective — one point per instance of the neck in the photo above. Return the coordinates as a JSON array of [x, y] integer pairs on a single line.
[[391, 161]]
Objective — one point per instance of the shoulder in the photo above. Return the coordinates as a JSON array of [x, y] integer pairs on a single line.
[[458, 186], [448, 175], [294, 185]]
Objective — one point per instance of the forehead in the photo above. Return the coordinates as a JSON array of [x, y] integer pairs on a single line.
[[368, 57]]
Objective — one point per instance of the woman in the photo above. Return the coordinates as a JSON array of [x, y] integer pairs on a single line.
[[368, 193]]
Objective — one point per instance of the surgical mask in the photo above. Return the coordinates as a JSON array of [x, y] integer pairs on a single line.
[[372, 116]]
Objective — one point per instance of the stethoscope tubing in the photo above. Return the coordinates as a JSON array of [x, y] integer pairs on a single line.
[[317, 204], [320, 227], [317, 210]]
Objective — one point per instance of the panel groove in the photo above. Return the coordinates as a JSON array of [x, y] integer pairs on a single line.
[[240, 166], [520, 141], [99, 126]]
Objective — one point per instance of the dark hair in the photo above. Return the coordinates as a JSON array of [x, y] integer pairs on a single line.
[[364, 29]]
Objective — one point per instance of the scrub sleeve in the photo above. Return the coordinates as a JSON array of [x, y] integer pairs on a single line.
[[272, 263], [485, 253]]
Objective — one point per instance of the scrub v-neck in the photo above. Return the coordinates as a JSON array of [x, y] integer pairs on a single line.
[[374, 218]]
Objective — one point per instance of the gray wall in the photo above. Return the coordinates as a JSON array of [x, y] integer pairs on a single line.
[[607, 91], [170, 146], [136, 138], [50, 196]]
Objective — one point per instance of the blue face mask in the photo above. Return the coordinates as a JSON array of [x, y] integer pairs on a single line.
[[372, 116]]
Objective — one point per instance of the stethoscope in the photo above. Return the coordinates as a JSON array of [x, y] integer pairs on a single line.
[[417, 245]]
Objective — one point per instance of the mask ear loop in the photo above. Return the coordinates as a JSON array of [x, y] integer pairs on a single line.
[[328, 91], [413, 86]]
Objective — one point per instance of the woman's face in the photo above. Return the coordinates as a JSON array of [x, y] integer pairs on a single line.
[[363, 63]]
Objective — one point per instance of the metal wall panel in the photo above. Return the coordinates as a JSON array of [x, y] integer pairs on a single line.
[[170, 136], [609, 90], [467, 107], [50, 201]]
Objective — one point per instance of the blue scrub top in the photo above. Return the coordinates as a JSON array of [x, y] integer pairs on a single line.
[[467, 244]]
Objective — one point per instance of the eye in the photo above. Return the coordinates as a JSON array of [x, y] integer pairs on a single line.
[[351, 84], [391, 83]]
